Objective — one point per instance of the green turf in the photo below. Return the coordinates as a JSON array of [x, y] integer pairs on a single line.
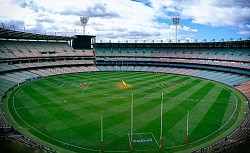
[[55, 112]]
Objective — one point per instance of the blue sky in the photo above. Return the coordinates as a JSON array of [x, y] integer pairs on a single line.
[[141, 20]]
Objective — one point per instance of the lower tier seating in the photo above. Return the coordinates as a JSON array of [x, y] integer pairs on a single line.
[[228, 78]]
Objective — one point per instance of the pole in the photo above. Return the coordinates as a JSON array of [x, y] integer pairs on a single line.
[[101, 143], [161, 121], [187, 128], [131, 132], [176, 33]]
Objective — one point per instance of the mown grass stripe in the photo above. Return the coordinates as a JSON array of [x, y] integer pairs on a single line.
[[82, 128], [195, 116], [54, 109], [146, 120], [231, 106], [214, 117], [120, 119], [137, 87], [142, 101], [178, 112]]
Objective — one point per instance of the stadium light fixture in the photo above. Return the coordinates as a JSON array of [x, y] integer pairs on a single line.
[[176, 22], [84, 21], [222, 40]]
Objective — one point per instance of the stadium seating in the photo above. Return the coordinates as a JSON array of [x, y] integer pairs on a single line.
[[244, 87], [27, 60], [228, 78], [228, 58], [23, 61]]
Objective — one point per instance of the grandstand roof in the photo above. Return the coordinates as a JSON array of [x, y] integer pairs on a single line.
[[11, 34], [226, 44]]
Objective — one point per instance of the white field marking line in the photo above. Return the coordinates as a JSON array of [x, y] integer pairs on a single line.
[[115, 151], [161, 87], [87, 86], [40, 131], [143, 133], [175, 146], [236, 105], [72, 84], [155, 139]]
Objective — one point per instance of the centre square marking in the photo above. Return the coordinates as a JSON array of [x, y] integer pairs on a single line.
[[144, 141]]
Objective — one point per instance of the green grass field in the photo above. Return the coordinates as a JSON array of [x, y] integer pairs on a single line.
[[63, 112]]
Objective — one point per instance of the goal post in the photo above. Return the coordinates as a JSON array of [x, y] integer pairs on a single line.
[[101, 142], [161, 121], [131, 132], [187, 128]]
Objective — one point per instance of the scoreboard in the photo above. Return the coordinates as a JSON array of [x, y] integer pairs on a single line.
[[83, 42]]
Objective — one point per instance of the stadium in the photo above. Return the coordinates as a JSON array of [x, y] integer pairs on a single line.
[[135, 80], [85, 96]]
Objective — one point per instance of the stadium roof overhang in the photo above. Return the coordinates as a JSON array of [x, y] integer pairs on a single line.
[[228, 44], [11, 34]]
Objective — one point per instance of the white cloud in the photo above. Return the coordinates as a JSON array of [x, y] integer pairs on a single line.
[[125, 19], [230, 13], [185, 28], [214, 13], [244, 32]]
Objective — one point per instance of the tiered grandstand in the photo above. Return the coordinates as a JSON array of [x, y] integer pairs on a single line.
[[229, 66], [25, 57], [226, 63], [26, 60]]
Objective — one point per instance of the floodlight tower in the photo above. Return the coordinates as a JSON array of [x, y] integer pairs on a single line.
[[176, 22], [84, 21]]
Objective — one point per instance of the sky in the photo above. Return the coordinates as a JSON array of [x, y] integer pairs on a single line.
[[131, 20]]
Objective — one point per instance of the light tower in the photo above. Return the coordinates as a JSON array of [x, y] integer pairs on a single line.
[[176, 22], [84, 21]]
